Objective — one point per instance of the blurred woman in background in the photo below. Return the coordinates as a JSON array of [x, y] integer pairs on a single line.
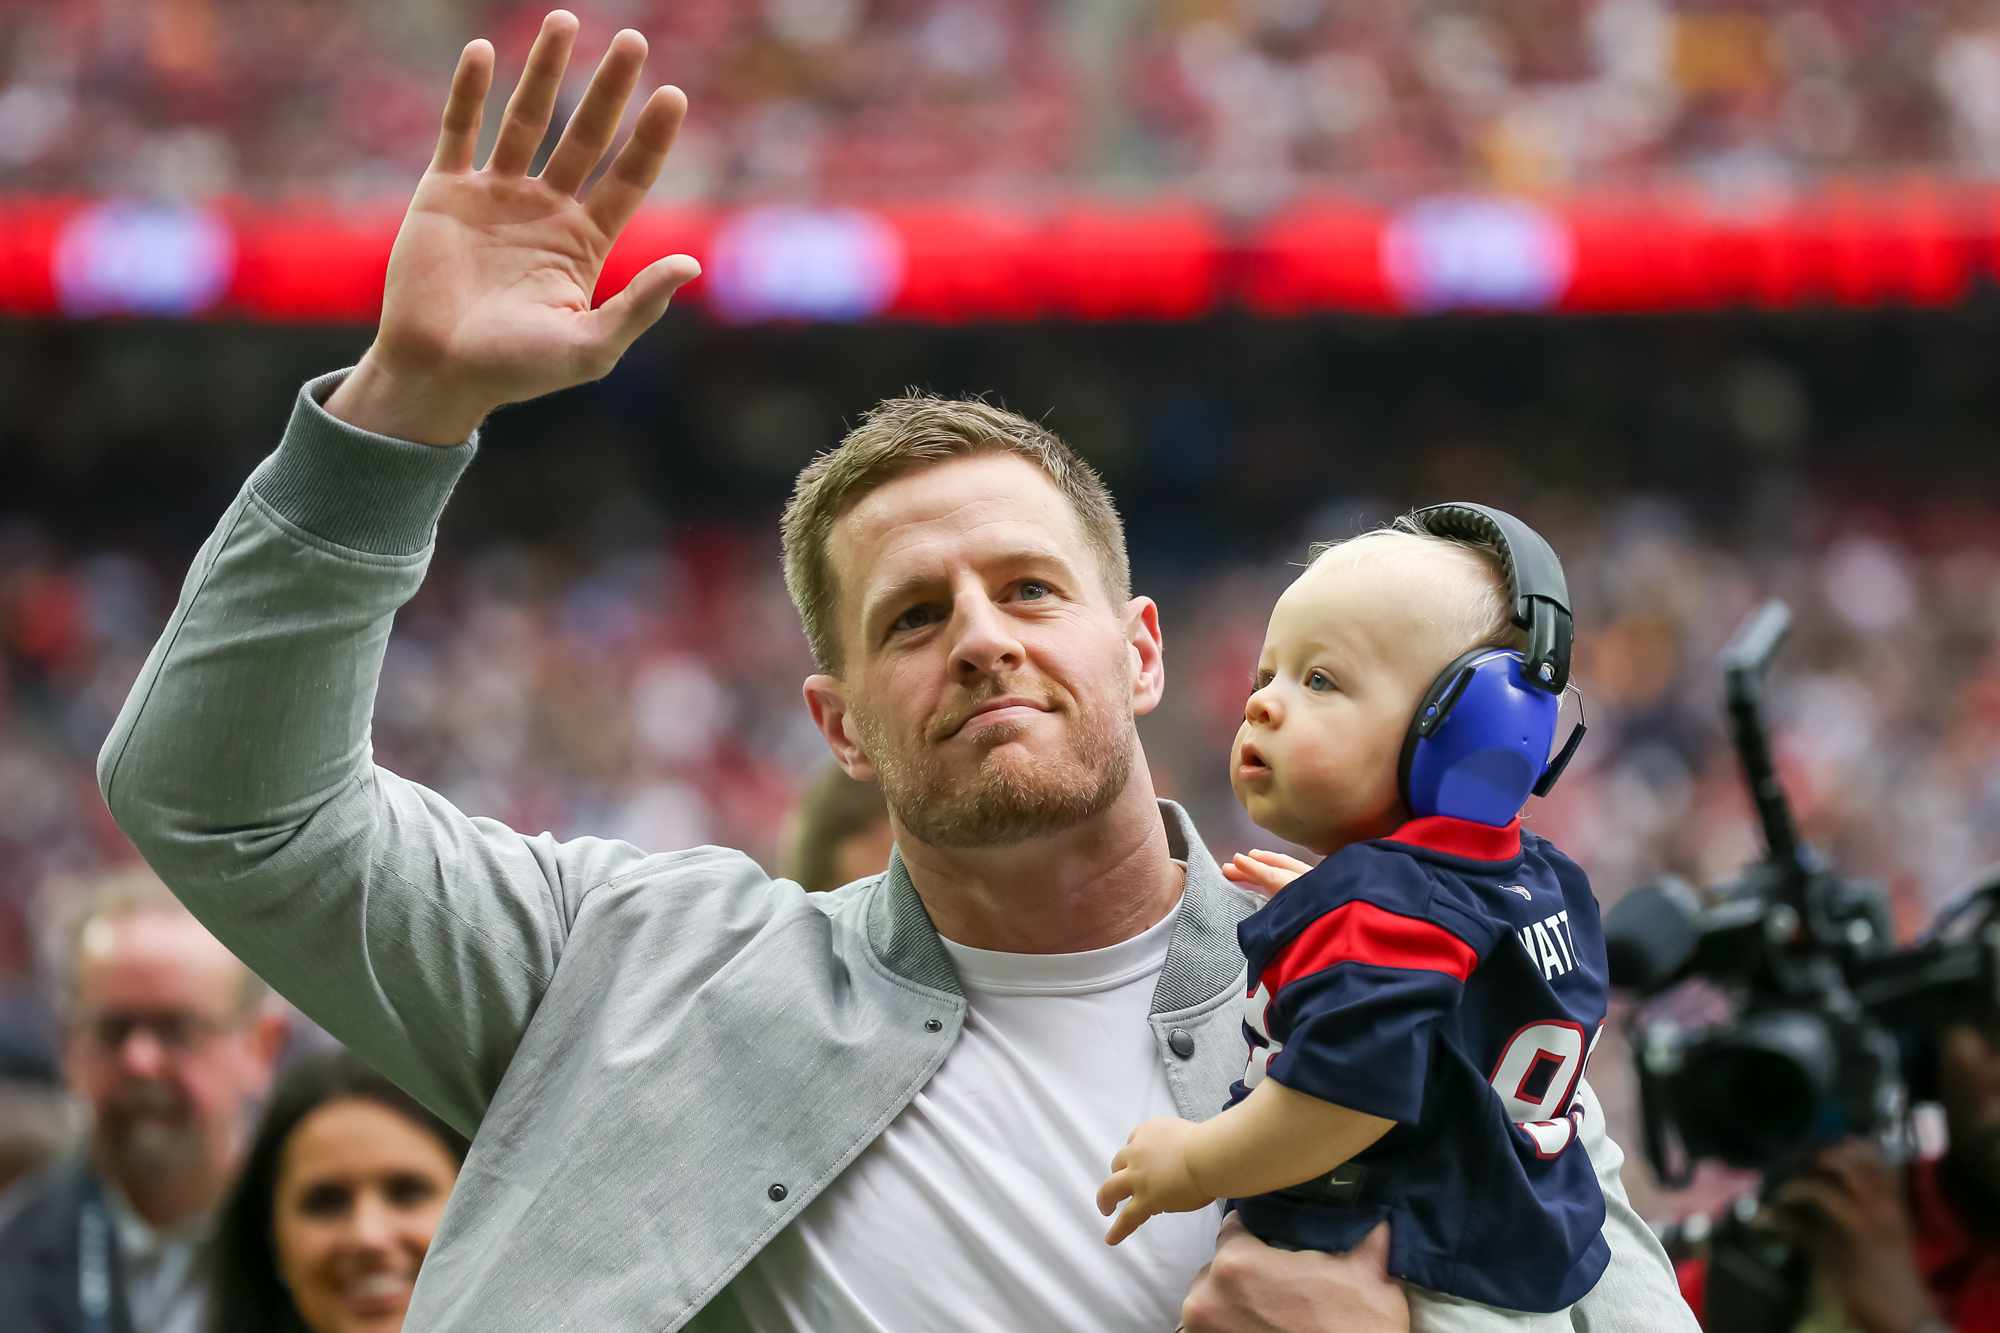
[[339, 1197]]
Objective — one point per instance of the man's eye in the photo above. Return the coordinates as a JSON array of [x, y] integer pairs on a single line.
[[1032, 591], [1319, 682], [915, 618]]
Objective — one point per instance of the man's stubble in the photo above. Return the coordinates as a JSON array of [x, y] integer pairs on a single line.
[[1013, 796]]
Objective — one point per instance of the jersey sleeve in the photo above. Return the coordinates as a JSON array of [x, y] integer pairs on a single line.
[[1356, 994]]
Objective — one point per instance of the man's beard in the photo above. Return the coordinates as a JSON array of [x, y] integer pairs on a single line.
[[1010, 798], [148, 1131]]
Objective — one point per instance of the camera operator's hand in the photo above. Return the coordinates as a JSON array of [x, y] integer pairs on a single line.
[[1848, 1209], [488, 294]]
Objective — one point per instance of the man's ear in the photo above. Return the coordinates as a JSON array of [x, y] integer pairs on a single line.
[[1149, 667], [826, 700]]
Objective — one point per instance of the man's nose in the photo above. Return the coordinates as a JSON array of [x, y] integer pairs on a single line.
[[141, 1054], [986, 644]]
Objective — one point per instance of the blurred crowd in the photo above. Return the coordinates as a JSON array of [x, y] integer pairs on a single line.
[[1241, 100]]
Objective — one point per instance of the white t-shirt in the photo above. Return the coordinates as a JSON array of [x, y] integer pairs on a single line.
[[976, 1208]]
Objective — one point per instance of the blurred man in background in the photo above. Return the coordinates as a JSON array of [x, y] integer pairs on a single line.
[[839, 833], [168, 1042]]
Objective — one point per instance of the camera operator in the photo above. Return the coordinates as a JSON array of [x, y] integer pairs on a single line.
[[1904, 1250], [1836, 1032]]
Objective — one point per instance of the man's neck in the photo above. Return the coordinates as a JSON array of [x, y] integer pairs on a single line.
[[1088, 887]]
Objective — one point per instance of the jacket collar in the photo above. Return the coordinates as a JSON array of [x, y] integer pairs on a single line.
[[1202, 957]]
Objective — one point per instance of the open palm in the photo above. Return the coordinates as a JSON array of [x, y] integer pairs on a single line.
[[489, 286]]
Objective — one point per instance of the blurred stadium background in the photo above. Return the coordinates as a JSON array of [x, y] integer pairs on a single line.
[[1701, 288]]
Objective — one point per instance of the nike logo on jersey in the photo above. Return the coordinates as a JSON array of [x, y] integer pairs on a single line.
[[1549, 945], [1516, 888]]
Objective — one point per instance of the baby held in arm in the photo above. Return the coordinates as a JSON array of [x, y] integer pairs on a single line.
[[1419, 1005]]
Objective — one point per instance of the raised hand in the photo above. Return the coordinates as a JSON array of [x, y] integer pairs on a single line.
[[488, 294]]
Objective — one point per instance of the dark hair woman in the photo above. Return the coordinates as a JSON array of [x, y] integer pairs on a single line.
[[340, 1194]]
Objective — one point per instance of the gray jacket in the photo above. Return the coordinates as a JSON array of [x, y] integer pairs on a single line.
[[663, 1056]]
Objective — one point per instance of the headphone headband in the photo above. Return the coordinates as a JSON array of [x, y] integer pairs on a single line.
[[1536, 587]]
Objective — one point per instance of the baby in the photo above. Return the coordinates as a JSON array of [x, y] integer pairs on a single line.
[[1420, 1004]]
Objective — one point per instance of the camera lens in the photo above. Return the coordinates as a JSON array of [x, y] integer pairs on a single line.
[[1755, 1094]]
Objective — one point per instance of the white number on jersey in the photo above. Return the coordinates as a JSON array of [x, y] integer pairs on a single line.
[[1548, 1120]]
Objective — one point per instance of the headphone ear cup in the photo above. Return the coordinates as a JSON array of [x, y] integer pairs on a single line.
[[1480, 740], [1432, 710]]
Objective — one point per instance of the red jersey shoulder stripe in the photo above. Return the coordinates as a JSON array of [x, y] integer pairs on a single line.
[[1361, 932], [1461, 837]]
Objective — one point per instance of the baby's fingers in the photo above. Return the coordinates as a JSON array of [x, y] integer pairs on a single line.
[[1130, 1218], [1118, 1187], [1260, 875]]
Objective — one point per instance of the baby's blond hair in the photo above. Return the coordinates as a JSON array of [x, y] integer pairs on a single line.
[[1470, 612]]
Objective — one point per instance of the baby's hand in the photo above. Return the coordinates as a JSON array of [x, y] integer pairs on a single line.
[[1265, 872], [1151, 1174]]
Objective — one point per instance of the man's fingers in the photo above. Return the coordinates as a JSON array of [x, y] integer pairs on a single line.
[[1113, 1191], [1858, 1165], [1374, 1247], [619, 192], [534, 99], [1821, 1204], [617, 324], [596, 118], [464, 107]]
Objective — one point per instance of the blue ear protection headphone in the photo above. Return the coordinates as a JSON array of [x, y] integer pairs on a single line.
[[1479, 744]]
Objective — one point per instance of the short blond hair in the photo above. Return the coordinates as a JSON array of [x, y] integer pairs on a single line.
[[900, 435], [74, 904]]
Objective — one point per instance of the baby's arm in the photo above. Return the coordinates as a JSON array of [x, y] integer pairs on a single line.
[[1274, 1138]]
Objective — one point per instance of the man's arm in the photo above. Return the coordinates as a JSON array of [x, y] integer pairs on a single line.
[[240, 765]]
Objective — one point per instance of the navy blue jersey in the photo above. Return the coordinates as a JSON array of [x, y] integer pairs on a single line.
[[1450, 977]]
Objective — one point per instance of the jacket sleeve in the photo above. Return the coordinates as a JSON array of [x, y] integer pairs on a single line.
[[241, 768]]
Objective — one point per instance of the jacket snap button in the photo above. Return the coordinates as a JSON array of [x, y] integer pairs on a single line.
[[933, 1025], [777, 1193], [1181, 1042]]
